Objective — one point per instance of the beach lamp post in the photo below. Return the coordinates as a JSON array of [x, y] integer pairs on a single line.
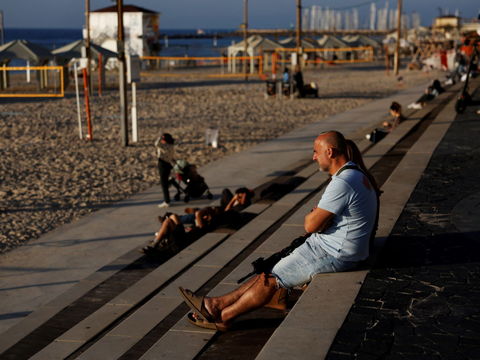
[[121, 74]]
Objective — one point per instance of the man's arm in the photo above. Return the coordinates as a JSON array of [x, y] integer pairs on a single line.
[[317, 220]]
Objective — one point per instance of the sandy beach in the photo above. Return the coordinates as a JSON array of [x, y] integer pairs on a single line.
[[48, 176]]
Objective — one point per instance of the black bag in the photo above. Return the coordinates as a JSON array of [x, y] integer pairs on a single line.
[[262, 265]]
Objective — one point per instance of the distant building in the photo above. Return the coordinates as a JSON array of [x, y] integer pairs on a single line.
[[141, 29], [448, 26]]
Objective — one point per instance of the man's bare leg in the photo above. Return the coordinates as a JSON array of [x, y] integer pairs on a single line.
[[250, 296]]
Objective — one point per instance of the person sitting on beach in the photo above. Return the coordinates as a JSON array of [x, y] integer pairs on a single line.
[[229, 209], [173, 232], [347, 207], [298, 78], [396, 112], [286, 76], [378, 134], [431, 92]]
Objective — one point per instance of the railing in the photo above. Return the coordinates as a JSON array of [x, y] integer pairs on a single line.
[[43, 80]]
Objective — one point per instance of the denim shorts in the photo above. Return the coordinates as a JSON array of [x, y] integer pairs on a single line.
[[187, 219], [305, 262]]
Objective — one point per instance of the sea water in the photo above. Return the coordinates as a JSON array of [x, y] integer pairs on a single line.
[[56, 38]]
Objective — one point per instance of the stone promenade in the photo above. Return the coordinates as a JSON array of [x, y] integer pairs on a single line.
[[422, 299]]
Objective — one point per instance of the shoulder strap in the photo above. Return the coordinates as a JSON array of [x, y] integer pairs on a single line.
[[350, 167]]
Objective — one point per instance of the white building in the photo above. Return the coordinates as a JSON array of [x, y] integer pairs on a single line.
[[141, 27]]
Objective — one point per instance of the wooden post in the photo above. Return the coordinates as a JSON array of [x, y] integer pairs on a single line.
[[397, 50], [121, 73], [1, 20], [89, 120], [245, 19], [88, 47], [100, 74], [299, 31], [274, 64], [387, 60]]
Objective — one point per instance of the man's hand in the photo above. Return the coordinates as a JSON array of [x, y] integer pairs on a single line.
[[317, 220]]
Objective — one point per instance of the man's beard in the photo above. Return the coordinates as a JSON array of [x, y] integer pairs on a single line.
[[324, 169]]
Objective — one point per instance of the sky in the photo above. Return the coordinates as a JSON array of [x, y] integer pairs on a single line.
[[208, 14]]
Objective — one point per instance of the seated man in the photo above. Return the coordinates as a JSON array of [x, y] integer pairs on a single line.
[[348, 208]]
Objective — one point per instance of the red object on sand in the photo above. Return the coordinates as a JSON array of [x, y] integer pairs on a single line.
[[89, 121]]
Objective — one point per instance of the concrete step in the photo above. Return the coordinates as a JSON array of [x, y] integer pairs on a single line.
[[312, 324]]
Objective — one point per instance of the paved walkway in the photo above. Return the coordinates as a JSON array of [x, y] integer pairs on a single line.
[[422, 299], [38, 272]]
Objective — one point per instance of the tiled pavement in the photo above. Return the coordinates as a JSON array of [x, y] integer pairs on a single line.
[[422, 299]]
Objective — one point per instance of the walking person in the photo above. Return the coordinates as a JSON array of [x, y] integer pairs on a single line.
[[166, 158]]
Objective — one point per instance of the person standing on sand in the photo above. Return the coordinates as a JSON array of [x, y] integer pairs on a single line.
[[340, 227], [298, 78], [166, 158]]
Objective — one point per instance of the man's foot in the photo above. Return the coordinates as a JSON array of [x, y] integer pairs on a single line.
[[163, 205], [199, 321], [368, 136], [150, 249], [200, 304]]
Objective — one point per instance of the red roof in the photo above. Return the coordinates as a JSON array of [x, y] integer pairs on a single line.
[[126, 8]]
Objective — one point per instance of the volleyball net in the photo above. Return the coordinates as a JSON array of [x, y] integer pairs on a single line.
[[211, 67], [31, 81]]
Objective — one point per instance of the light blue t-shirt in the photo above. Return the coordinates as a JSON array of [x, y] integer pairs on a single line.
[[352, 198]]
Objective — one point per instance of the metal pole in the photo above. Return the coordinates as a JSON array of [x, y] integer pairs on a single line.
[[88, 48], [121, 73], [1, 19], [245, 19], [397, 49], [78, 101]]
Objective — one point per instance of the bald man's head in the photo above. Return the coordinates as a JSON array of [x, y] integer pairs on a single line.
[[330, 151], [335, 140]]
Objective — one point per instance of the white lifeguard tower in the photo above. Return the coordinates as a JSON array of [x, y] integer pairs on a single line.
[[141, 28]]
